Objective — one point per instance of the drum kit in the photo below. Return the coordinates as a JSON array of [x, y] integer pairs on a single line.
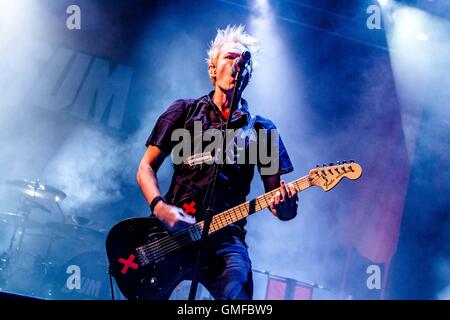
[[36, 258]]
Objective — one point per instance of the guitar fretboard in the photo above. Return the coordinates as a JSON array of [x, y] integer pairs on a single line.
[[243, 210]]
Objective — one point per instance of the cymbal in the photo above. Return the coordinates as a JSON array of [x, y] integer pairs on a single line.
[[36, 189], [74, 230]]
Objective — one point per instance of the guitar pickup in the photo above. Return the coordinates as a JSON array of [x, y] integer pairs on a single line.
[[142, 256]]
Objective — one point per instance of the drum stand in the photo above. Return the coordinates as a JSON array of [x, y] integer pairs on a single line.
[[11, 255]]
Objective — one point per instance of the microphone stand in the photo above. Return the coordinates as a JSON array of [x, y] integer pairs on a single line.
[[210, 197]]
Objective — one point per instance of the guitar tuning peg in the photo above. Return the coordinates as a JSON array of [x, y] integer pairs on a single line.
[[324, 165], [352, 161], [331, 164], [344, 162], [338, 162], [317, 166]]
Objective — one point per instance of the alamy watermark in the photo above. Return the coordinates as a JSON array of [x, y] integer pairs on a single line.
[[73, 21], [374, 279], [236, 146], [374, 20], [74, 280]]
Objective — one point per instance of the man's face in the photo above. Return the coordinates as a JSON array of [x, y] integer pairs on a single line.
[[228, 53]]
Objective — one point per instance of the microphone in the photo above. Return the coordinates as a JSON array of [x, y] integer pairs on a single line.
[[240, 62]]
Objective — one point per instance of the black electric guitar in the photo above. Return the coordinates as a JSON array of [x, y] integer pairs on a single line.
[[148, 262]]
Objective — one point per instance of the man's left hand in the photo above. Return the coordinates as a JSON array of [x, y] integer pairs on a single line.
[[285, 202]]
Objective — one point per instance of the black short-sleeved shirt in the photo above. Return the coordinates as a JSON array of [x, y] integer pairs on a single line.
[[233, 185]]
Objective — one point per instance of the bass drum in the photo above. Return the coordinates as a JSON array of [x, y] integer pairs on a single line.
[[84, 277]]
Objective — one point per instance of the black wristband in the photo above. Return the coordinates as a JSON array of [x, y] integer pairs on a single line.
[[155, 201]]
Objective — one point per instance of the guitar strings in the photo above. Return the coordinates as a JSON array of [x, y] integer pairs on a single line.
[[217, 220], [170, 241], [166, 246], [169, 249], [177, 234], [169, 244]]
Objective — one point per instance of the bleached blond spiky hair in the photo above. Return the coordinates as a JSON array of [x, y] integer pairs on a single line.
[[232, 34]]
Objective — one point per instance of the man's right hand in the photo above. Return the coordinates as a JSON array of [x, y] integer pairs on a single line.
[[172, 217]]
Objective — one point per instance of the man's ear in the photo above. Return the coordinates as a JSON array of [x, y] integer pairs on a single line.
[[212, 70]]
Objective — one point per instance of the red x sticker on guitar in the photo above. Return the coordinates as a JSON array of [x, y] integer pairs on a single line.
[[128, 263], [189, 208]]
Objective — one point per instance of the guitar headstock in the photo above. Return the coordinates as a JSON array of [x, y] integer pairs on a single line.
[[328, 176]]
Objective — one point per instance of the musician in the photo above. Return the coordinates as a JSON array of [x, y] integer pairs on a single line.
[[226, 272]]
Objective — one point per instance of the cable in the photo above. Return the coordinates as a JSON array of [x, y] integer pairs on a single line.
[[111, 283]]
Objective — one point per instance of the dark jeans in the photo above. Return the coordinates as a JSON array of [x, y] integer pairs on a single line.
[[228, 275]]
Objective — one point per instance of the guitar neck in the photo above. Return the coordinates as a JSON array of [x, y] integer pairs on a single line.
[[245, 209]]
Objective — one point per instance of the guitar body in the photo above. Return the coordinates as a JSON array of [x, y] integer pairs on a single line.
[[139, 279]]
